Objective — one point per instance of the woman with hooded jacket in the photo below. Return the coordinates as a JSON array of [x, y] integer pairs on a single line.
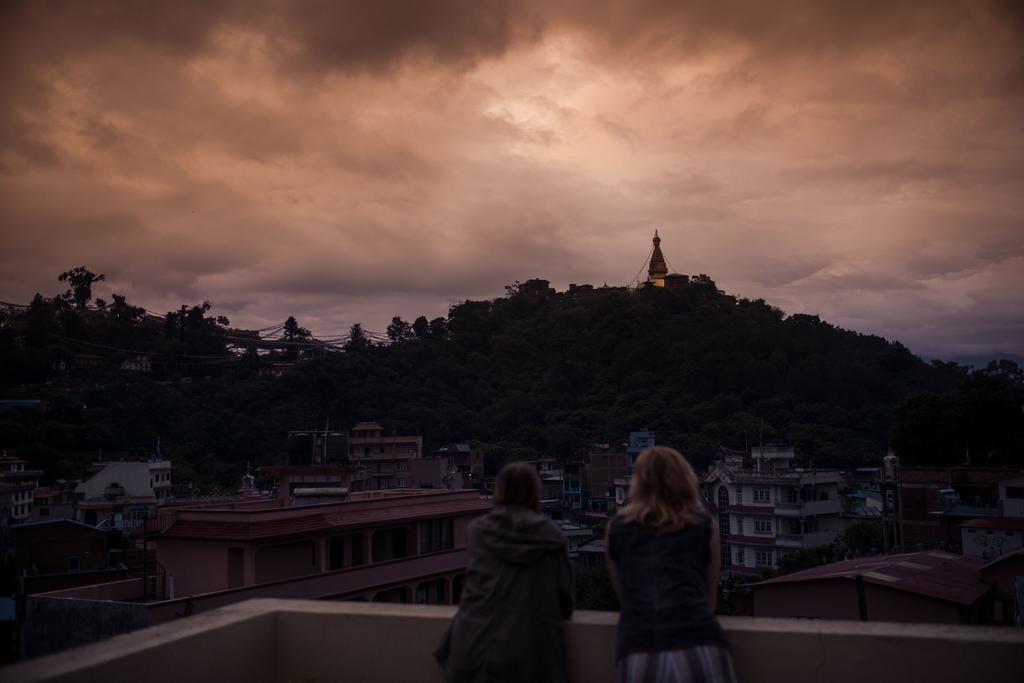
[[518, 589]]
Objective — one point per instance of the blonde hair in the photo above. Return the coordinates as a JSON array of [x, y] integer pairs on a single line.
[[664, 493]]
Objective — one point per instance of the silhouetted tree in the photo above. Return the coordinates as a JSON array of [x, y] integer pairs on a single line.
[[357, 339], [399, 330], [80, 281], [421, 327], [294, 332], [438, 328], [123, 312]]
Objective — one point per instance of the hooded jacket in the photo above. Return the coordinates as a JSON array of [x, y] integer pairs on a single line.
[[517, 591]]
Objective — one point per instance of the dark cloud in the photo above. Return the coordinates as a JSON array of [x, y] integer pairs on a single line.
[[348, 161]]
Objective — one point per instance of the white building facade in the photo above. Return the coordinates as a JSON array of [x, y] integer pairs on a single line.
[[767, 508]]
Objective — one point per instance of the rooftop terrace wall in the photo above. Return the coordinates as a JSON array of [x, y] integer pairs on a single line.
[[280, 640]]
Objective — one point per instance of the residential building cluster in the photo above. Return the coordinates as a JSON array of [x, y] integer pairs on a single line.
[[361, 514]]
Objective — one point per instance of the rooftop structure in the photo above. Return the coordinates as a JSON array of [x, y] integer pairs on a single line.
[[15, 471], [934, 501], [987, 538], [603, 464], [121, 495], [929, 586], [380, 461], [60, 545], [468, 460]]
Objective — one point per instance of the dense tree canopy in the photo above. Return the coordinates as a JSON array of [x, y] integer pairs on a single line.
[[524, 375]]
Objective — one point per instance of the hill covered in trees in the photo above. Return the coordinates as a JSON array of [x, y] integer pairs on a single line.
[[532, 373]]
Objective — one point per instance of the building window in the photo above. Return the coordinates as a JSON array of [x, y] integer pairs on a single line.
[[764, 558], [762, 525], [792, 496], [724, 527], [1015, 491], [436, 534], [403, 467], [739, 556], [74, 564], [739, 495], [739, 524], [762, 495]]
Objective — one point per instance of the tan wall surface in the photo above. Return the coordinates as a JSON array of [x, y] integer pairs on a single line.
[[278, 640]]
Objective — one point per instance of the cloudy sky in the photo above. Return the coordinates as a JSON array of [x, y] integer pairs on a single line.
[[347, 162]]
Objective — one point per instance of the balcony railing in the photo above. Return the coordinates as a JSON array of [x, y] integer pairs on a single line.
[[789, 540], [290, 640]]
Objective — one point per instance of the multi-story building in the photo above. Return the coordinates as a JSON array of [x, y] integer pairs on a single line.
[[13, 510], [561, 487], [19, 482], [1011, 496], [379, 546], [378, 461], [216, 548], [572, 488], [468, 460], [121, 495], [638, 442], [603, 464], [935, 501], [987, 538], [21, 501], [56, 501], [767, 508], [14, 471]]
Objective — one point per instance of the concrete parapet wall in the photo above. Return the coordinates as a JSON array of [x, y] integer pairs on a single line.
[[280, 640]]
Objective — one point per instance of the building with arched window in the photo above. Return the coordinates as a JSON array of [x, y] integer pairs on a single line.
[[768, 508]]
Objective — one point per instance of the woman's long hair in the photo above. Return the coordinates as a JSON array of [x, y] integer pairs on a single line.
[[664, 493], [518, 484]]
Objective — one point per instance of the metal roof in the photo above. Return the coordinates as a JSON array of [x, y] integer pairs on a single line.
[[944, 576]]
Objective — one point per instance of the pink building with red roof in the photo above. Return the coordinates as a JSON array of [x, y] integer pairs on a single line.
[[419, 535], [386, 546], [930, 587]]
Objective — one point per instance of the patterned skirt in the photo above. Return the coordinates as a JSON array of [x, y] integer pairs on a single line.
[[697, 664]]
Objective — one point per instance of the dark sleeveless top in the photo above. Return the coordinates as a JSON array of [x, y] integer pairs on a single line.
[[664, 587]]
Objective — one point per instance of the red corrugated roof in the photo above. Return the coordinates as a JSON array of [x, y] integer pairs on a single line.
[[949, 577], [1007, 523], [1019, 552]]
